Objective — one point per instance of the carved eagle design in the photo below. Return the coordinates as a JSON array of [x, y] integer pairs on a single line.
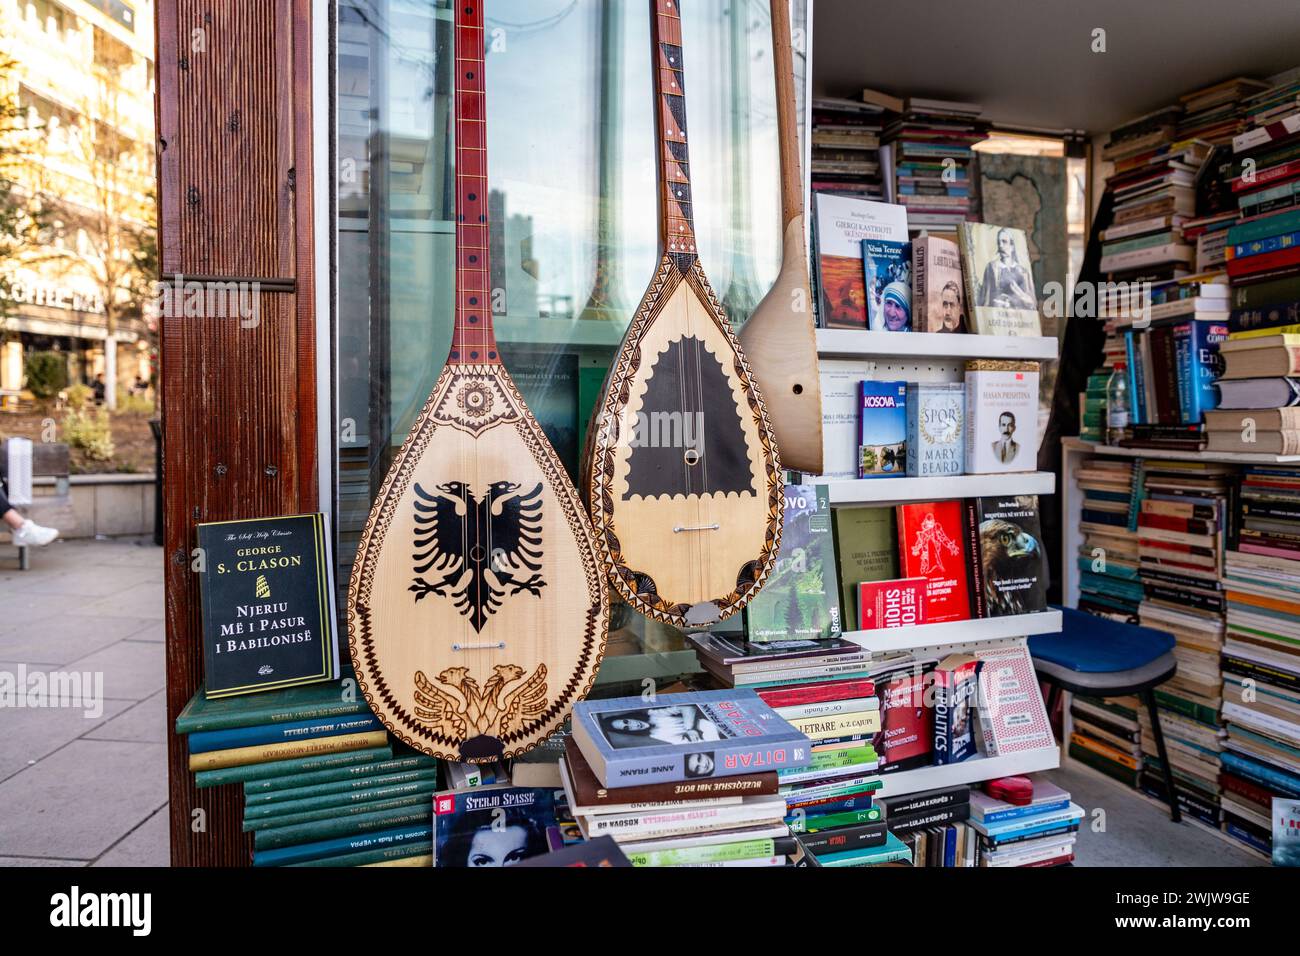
[[490, 711], [477, 552]]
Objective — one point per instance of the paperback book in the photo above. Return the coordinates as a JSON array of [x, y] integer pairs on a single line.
[[939, 303], [999, 280], [801, 598], [887, 270], [930, 546], [936, 419], [842, 224], [1001, 416], [882, 429]]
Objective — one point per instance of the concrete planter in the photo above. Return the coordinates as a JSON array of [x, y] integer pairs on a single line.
[[110, 505]]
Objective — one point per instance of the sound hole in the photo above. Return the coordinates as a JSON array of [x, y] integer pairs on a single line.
[[798, 389]]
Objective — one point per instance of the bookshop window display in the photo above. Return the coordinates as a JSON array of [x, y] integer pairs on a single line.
[[571, 196]]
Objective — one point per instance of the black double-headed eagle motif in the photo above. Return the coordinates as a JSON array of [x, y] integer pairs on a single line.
[[477, 552]]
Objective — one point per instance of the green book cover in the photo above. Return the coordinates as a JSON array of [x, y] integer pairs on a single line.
[[866, 540], [341, 827], [307, 702], [332, 794], [337, 774], [716, 853], [335, 813], [803, 822], [385, 854], [894, 850], [798, 602], [277, 768]]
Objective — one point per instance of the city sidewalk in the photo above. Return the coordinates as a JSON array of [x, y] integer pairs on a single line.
[[80, 790]]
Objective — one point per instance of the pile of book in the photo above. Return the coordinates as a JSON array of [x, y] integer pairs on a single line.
[[1215, 114], [1182, 523], [1259, 395], [701, 778], [323, 784], [927, 160], [846, 148], [1153, 185], [1266, 174], [1105, 734], [1038, 832], [1170, 361], [1261, 657], [1108, 555], [1092, 404], [932, 826]]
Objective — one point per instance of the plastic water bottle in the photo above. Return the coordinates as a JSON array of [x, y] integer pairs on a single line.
[[1117, 404]]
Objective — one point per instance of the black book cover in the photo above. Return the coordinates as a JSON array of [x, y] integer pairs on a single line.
[[912, 803], [840, 839], [267, 593], [1012, 562], [955, 813]]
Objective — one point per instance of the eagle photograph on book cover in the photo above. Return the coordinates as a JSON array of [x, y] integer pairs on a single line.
[[1012, 562]]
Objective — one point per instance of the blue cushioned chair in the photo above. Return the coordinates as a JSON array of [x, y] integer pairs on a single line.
[[1102, 658]]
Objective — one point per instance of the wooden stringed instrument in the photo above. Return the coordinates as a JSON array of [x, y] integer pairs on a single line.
[[780, 340], [477, 607], [681, 472]]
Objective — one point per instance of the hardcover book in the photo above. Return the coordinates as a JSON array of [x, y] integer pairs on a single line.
[[628, 740], [936, 421], [955, 690], [939, 301], [493, 826], [1012, 566], [930, 546], [1001, 416], [866, 540], [897, 603], [267, 592], [882, 429], [842, 224], [907, 720], [887, 271], [999, 280], [1011, 714], [801, 598]]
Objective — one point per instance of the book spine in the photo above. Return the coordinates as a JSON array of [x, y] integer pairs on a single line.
[[338, 775], [839, 839], [1266, 293], [258, 716], [285, 768], [208, 740], [322, 830], [1250, 231], [274, 798], [813, 693], [399, 855], [264, 753], [262, 815], [421, 834], [1257, 247], [338, 813], [715, 853], [826, 708], [837, 725], [939, 816], [731, 757], [974, 562], [920, 316], [1014, 813]]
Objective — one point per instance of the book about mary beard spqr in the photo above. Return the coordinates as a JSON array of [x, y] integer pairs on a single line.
[[631, 740], [1001, 416], [267, 594]]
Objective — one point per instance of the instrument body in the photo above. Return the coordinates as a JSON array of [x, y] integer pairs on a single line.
[[477, 607], [780, 338], [682, 477]]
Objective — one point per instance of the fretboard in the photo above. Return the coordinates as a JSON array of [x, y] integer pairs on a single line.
[[676, 220], [473, 341]]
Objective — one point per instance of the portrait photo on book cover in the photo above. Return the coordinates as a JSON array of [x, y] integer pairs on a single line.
[[1001, 260], [500, 837], [652, 726], [1006, 448]]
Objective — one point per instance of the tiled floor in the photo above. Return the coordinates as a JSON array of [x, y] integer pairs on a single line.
[[82, 790]]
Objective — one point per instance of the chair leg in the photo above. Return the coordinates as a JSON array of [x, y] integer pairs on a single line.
[[1053, 697], [1149, 695], [24, 559]]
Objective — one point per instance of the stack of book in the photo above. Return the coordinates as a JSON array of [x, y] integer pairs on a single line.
[[1266, 177], [1259, 393], [1092, 406], [932, 825], [1261, 662], [687, 779], [323, 785], [1182, 526], [1153, 184], [1107, 736], [1039, 833], [927, 159], [1108, 555], [1210, 235], [846, 148], [1170, 361], [1215, 113]]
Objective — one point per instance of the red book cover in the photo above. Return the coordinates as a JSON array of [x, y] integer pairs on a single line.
[[906, 735], [930, 545], [898, 603], [1263, 263], [818, 693]]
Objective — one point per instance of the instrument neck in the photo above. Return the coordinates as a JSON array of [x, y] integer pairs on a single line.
[[676, 218], [787, 122], [473, 341]]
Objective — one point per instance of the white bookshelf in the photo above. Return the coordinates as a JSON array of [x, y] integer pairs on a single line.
[[853, 343], [877, 491], [1164, 454], [957, 632], [974, 770]]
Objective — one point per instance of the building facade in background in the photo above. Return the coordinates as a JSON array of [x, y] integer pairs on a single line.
[[82, 74]]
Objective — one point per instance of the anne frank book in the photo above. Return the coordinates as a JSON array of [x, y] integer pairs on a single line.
[[1011, 569], [801, 598], [882, 429], [842, 224], [930, 546], [267, 593], [938, 301], [691, 736]]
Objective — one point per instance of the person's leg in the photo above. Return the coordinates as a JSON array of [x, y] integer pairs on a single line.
[[25, 532]]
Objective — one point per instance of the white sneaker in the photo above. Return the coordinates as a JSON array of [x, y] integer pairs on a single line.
[[32, 535]]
